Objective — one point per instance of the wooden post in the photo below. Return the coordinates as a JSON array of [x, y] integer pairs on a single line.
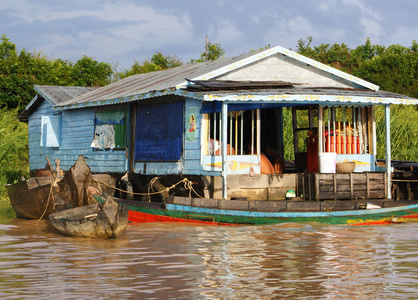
[[334, 177], [388, 154], [320, 131], [317, 193], [367, 186], [224, 139]]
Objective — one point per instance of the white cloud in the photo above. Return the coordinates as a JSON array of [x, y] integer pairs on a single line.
[[121, 31]]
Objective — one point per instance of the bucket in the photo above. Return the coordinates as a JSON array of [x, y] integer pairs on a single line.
[[327, 162]]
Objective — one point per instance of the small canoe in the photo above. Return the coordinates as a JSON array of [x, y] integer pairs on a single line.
[[100, 220], [220, 212]]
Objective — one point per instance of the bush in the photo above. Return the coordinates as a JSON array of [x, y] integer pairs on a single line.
[[14, 159]]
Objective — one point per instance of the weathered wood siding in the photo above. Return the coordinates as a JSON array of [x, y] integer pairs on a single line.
[[343, 186], [77, 130]]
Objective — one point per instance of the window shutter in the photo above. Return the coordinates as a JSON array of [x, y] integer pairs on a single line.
[[50, 131]]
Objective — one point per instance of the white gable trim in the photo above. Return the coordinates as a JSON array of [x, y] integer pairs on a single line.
[[311, 99], [289, 53]]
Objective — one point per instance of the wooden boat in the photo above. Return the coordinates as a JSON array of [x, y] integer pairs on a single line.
[[37, 197], [214, 211], [31, 199], [100, 220]]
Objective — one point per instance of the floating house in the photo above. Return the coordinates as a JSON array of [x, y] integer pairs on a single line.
[[222, 123]]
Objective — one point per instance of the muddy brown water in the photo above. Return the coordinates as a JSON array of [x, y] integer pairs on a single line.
[[183, 261]]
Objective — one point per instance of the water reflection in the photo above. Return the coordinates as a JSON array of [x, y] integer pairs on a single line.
[[183, 261]]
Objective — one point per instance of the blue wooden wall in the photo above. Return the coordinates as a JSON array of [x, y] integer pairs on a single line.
[[77, 130]]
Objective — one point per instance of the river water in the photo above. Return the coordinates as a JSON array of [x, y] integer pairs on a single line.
[[184, 261]]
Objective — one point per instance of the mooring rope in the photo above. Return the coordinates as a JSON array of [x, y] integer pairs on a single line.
[[188, 185], [50, 194]]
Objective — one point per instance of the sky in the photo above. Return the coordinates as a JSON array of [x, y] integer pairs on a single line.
[[122, 32]]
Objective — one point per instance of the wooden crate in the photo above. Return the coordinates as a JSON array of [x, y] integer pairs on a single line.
[[342, 186]]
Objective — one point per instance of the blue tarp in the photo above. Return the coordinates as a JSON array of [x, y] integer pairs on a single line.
[[159, 132]]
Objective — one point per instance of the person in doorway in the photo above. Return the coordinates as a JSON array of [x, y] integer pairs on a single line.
[[276, 159], [265, 165]]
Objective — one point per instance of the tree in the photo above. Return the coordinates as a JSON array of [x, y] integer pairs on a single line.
[[7, 49], [20, 71], [89, 72], [156, 63], [212, 52]]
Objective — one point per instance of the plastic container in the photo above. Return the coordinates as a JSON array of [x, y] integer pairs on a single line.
[[327, 162]]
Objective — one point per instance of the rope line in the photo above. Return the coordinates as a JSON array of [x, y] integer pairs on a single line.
[[188, 185], [50, 194]]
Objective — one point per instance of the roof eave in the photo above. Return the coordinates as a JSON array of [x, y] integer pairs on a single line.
[[120, 100]]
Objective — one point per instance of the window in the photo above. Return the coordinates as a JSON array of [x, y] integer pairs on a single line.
[[50, 131], [159, 132], [242, 133], [109, 130]]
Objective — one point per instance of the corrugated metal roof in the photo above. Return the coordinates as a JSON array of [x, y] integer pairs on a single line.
[[164, 82], [59, 94], [55, 95], [141, 84], [173, 81]]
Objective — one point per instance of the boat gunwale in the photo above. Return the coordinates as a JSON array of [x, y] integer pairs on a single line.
[[288, 214]]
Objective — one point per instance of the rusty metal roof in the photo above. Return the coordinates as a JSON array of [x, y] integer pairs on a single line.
[[173, 82], [127, 89], [170, 81], [55, 95], [60, 94]]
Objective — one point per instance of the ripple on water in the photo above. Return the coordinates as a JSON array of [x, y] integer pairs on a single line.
[[210, 262]]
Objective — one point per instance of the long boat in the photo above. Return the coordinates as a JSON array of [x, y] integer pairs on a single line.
[[223, 212]]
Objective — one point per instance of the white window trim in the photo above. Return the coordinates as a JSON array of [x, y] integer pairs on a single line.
[[50, 131]]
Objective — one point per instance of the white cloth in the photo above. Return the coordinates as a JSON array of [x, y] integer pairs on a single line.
[[104, 137]]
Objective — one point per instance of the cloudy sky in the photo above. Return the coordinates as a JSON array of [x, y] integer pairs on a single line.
[[122, 31]]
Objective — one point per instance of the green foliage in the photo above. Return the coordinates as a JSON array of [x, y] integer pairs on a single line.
[[261, 48], [289, 151], [403, 129], [156, 63], [14, 159], [89, 72], [20, 71], [394, 70], [212, 52], [7, 49]]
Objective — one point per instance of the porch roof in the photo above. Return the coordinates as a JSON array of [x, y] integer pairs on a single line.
[[281, 97], [300, 96]]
